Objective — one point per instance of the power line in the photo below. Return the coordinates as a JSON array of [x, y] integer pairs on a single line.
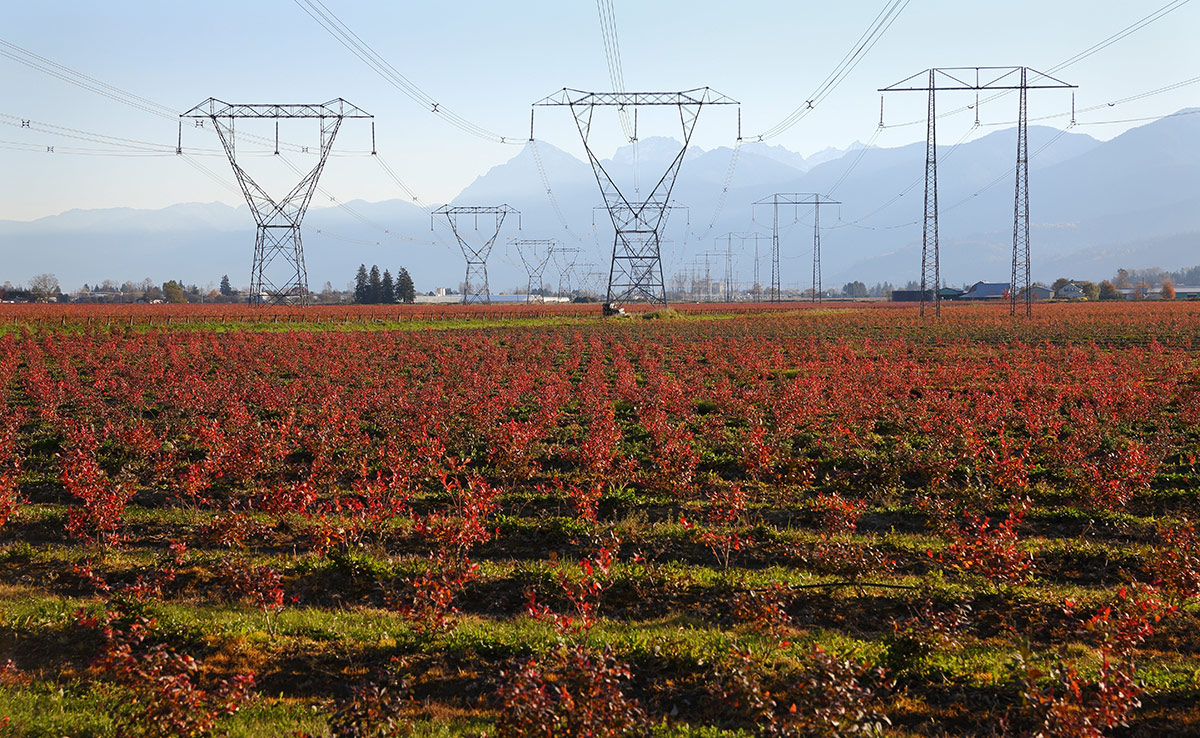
[[1119, 35], [612, 55], [1128, 30], [146, 148], [79, 79], [75, 133], [328, 20], [879, 26]]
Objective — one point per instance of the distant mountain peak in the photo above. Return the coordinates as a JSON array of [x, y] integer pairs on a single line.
[[652, 148]]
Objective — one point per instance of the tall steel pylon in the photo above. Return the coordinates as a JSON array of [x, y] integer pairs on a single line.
[[565, 259], [817, 202], [1020, 259], [985, 79], [741, 238], [793, 198], [635, 273], [535, 255], [475, 285], [278, 235]]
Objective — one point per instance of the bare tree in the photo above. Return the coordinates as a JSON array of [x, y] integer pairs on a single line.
[[44, 286]]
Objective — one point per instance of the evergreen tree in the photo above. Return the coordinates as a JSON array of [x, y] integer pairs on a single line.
[[362, 286], [855, 289], [406, 292], [387, 293], [226, 288], [374, 286]]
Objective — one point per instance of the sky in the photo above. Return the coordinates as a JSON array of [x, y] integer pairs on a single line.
[[487, 62]]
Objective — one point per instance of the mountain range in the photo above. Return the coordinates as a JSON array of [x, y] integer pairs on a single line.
[[1132, 202]]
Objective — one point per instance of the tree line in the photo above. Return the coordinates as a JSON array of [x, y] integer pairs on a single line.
[[374, 288]]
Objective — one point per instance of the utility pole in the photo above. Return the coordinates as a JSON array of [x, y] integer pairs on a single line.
[[278, 234], [635, 273], [978, 79], [475, 286]]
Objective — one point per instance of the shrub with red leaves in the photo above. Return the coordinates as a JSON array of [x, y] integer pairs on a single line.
[[102, 499], [990, 551], [726, 505], [763, 608], [572, 691], [262, 586], [837, 514], [10, 461], [430, 603], [159, 690], [833, 697], [1175, 562], [582, 591], [1059, 701]]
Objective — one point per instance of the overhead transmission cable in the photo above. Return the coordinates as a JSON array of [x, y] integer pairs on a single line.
[[79, 79], [143, 148], [1119, 35], [612, 56], [328, 20], [1137, 25], [360, 217], [867, 41], [1128, 30], [887, 16]]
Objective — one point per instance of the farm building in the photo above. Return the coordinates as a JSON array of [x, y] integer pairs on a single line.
[[986, 291]]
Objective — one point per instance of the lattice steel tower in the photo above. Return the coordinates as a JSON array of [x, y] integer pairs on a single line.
[[978, 79], [475, 286], [535, 255], [566, 259], [636, 271], [278, 236], [793, 198]]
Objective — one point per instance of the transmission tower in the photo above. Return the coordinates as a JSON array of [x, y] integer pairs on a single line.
[[978, 79], [742, 238], [703, 262], [535, 255], [278, 235], [565, 260], [475, 286], [636, 269], [728, 281], [793, 198]]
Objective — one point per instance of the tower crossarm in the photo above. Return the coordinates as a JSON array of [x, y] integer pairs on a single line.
[[698, 96], [977, 79], [212, 107]]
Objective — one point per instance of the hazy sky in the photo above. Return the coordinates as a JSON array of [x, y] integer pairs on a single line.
[[489, 61]]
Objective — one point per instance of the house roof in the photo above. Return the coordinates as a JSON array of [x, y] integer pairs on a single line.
[[986, 290]]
